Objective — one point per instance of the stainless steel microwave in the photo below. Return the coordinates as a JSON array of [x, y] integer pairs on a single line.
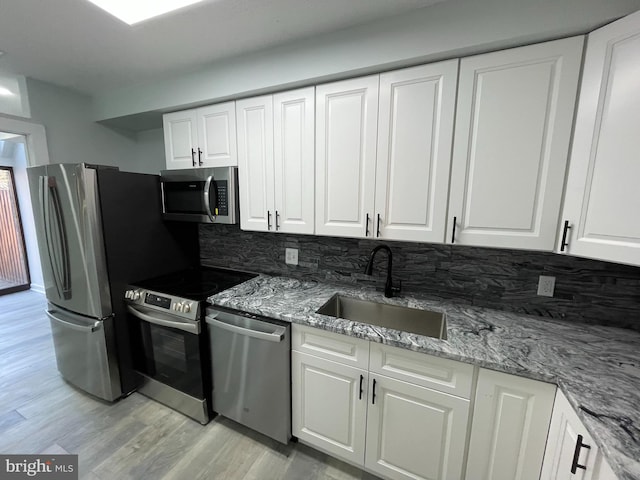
[[204, 195]]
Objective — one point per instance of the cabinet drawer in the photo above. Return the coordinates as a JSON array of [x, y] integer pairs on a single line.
[[332, 346], [437, 373]]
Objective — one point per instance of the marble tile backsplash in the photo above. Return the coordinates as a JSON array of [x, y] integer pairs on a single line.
[[586, 290]]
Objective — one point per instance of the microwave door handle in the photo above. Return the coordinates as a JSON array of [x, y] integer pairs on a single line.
[[210, 184]]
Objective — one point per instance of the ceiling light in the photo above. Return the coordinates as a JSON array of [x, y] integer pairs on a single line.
[[5, 92], [131, 12]]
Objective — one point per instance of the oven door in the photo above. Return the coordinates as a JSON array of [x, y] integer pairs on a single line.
[[167, 349]]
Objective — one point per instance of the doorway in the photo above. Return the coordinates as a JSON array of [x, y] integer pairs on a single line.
[[14, 269]]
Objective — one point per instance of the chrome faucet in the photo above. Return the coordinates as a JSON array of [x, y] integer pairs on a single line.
[[389, 289]]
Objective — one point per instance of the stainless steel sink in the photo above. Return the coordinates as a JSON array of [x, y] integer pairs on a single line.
[[422, 322]]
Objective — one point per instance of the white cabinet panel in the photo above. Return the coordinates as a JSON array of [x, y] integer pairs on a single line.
[[602, 195], [415, 131], [346, 128], [510, 423], [415, 432], [328, 410], [428, 371], [332, 346], [294, 161], [217, 135], [513, 123], [255, 162], [180, 139], [561, 445]]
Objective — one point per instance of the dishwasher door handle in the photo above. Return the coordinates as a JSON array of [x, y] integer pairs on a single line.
[[276, 336]]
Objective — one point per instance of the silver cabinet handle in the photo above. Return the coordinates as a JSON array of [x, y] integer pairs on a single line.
[[186, 327], [74, 326], [276, 336]]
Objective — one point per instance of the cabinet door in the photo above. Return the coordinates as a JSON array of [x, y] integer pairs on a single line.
[[510, 423], [513, 123], [217, 135], [602, 198], [329, 406], [255, 163], [293, 143], [561, 445], [346, 129], [414, 432], [180, 139], [415, 132]]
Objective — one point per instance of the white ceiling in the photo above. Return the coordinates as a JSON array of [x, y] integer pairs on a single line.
[[75, 44]]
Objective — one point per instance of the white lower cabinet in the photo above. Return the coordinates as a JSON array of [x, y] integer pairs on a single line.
[[328, 410], [571, 453], [389, 426], [510, 424], [414, 432]]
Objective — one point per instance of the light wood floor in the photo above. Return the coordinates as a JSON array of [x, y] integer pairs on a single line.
[[135, 438]]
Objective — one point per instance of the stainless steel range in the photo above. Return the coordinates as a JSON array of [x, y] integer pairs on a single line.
[[168, 336]]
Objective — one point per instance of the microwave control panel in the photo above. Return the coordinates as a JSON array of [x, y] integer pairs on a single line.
[[223, 198]]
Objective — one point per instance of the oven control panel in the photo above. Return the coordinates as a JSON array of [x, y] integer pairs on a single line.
[[157, 300], [166, 303]]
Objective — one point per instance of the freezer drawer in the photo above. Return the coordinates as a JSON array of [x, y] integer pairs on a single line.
[[85, 352], [251, 361]]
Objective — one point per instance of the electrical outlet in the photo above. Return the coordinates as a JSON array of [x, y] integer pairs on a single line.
[[546, 285], [291, 256]]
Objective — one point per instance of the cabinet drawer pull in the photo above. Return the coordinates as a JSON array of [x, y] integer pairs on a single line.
[[268, 220], [378, 226], [373, 391], [576, 455], [361, 380], [199, 156], [193, 157], [564, 242], [366, 226], [453, 233]]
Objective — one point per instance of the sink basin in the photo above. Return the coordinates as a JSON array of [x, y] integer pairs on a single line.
[[422, 322]]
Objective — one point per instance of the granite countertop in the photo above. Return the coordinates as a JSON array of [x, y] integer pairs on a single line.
[[597, 368]]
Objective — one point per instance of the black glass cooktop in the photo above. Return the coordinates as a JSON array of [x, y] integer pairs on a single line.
[[196, 283]]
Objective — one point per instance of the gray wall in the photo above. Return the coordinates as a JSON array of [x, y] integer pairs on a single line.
[[73, 136], [586, 290], [444, 30]]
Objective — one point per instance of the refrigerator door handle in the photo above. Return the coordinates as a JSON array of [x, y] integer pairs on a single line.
[[53, 259], [94, 327], [64, 244]]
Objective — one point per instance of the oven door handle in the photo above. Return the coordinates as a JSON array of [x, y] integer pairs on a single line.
[[276, 336], [187, 327]]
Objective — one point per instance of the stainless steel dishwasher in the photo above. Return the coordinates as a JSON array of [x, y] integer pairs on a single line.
[[251, 365]]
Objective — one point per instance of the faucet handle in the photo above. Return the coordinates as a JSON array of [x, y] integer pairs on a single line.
[[396, 289]]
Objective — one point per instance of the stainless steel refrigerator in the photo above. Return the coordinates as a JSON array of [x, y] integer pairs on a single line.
[[98, 230]]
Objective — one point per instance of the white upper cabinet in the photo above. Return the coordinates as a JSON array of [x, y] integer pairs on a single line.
[[217, 135], [294, 121], [513, 124], [346, 128], [276, 162], [180, 139], [602, 197], [202, 137], [415, 129], [255, 162]]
